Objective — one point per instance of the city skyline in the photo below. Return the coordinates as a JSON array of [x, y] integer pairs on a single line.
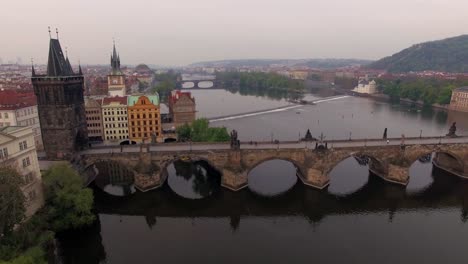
[[176, 33]]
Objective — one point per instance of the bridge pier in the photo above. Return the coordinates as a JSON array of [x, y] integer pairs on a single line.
[[315, 178]]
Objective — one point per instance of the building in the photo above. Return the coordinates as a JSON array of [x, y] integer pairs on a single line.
[[60, 104], [20, 109], [181, 108], [116, 79], [115, 118], [459, 100], [144, 118], [93, 112], [17, 150], [366, 87], [299, 74]]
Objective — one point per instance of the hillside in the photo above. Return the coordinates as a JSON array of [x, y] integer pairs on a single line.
[[448, 55], [313, 63]]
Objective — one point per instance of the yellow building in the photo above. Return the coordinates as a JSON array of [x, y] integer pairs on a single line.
[[459, 101], [115, 118], [298, 74], [144, 118]]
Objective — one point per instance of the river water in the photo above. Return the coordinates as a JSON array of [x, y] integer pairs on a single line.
[[357, 219]]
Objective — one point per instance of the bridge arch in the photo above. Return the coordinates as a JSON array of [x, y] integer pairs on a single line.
[[113, 177], [273, 177], [296, 163], [191, 177], [377, 162]]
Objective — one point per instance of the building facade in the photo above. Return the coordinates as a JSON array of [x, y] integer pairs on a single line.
[[459, 100], [93, 111], [366, 87], [20, 109], [115, 119], [17, 150], [60, 103], [182, 108], [116, 79], [144, 118]]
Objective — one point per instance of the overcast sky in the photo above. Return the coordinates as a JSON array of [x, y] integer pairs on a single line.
[[179, 32]]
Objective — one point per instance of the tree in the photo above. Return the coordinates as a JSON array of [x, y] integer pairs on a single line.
[[11, 199], [199, 131], [69, 204], [184, 132]]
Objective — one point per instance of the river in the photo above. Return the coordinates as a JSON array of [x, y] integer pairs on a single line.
[[357, 219]]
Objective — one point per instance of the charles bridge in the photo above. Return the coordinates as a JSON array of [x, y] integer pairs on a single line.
[[389, 160]]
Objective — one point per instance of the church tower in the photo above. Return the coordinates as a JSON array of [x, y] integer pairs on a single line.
[[116, 79], [60, 105]]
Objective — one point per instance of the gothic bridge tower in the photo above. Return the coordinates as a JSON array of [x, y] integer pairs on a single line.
[[60, 105]]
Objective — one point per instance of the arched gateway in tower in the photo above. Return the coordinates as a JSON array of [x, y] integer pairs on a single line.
[[60, 104]]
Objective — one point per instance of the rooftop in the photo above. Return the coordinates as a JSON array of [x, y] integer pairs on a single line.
[[134, 98], [12, 100], [462, 89], [116, 99]]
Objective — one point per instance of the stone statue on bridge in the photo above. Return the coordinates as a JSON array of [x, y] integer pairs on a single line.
[[235, 142], [452, 130]]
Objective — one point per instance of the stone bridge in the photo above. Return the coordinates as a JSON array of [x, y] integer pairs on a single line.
[[390, 162], [196, 84]]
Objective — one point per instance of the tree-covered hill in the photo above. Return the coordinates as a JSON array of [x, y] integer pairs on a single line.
[[448, 55]]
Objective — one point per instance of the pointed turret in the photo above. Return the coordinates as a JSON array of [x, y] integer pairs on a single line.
[[80, 72], [115, 62], [69, 67], [57, 64], [33, 72]]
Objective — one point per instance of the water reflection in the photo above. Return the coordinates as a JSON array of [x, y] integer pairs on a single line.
[[349, 176], [193, 180], [114, 178], [420, 175], [272, 178]]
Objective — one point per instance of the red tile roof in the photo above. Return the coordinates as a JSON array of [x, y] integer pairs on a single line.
[[120, 99], [12, 100]]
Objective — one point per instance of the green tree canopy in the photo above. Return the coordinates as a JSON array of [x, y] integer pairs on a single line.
[[11, 199], [200, 131], [69, 203]]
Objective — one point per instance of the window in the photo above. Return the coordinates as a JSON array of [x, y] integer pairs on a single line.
[[23, 145], [6, 115], [4, 153], [26, 162], [28, 178]]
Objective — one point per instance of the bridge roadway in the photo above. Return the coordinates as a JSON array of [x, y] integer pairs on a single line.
[[177, 147]]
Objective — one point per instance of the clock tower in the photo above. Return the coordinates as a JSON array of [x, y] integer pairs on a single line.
[[116, 79]]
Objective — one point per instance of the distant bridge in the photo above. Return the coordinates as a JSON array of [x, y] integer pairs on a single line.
[[390, 161], [196, 82]]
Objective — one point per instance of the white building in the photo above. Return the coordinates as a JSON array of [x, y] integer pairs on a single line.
[[18, 150], [20, 109], [115, 118], [366, 87]]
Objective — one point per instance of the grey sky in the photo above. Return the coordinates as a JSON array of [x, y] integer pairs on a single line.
[[178, 32]]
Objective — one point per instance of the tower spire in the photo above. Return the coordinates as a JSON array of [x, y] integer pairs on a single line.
[[50, 35], [56, 31], [33, 72]]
